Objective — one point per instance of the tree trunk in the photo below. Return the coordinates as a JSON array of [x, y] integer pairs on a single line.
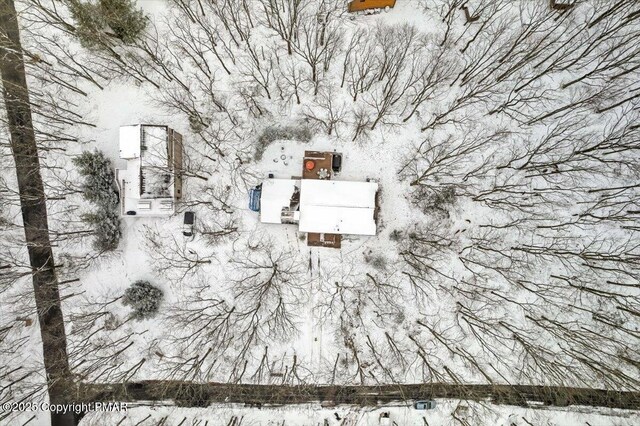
[[34, 213]]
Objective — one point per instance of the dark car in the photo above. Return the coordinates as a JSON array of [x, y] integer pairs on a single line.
[[187, 227], [336, 163], [424, 405]]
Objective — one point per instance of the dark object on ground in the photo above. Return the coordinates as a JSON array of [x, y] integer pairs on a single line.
[[270, 175], [561, 6], [336, 163], [189, 219], [131, 213], [424, 405]]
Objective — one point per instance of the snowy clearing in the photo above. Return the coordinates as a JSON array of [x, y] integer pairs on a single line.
[[479, 227]]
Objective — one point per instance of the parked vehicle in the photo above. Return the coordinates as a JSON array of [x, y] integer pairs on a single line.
[[336, 163], [428, 404], [187, 227]]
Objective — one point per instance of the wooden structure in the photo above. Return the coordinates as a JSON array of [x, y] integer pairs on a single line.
[[320, 161], [324, 240], [362, 5], [175, 150], [151, 185]]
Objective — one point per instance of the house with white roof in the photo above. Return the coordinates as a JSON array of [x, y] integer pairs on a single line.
[[152, 182], [325, 209], [320, 206], [338, 207]]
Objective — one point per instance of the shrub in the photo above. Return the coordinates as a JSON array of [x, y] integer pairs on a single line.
[[399, 318], [296, 132], [111, 322], [93, 20], [99, 188], [143, 298], [89, 22], [435, 202], [124, 19], [444, 198], [107, 231], [198, 123], [377, 260], [396, 235], [98, 185]]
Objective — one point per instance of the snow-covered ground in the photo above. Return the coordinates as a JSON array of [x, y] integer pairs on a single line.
[[447, 412], [507, 243]]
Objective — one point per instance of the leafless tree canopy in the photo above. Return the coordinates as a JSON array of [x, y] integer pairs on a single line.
[[511, 254]]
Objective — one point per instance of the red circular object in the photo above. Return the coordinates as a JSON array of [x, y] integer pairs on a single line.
[[309, 164]]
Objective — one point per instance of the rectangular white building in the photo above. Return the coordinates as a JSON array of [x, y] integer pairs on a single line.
[[321, 206], [337, 207], [152, 182], [276, 197]]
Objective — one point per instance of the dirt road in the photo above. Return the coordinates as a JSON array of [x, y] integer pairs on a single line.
[[192, 394]]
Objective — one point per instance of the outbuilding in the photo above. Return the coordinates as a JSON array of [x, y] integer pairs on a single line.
[[152, 182]]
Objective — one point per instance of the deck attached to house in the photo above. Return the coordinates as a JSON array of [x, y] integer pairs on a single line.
[[322, 160]]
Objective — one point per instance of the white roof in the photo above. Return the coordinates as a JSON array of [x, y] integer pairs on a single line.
[[338, 193], [337, 207], [147, 185], [276, 194], [337, 220], [145, 141], [130, 142], [129, 185]]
